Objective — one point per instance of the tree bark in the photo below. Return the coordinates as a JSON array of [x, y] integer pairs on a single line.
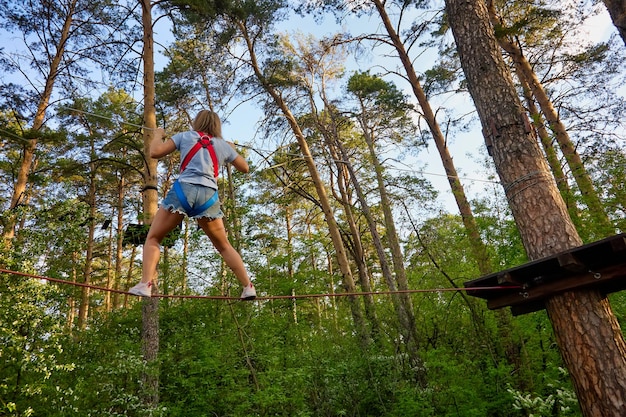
[[150, 308], [617, 10], [596, 355], [586, 329], [602, 225]]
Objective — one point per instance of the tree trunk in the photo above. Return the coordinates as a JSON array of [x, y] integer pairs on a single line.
[[110, 280], [397, 258], [586, 329], [617, 10], [83, 311], [150, 310], [602, 225], [345, 177], [19, 189], [596, 354], [551, 155], [406, 319], [476, 244], [71, 301], [119, 233], [333, 228], [358, 253]]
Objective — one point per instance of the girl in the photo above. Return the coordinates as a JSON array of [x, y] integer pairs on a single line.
[[194, 194]]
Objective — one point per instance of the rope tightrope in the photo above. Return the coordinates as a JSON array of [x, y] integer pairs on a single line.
[[273, 297]]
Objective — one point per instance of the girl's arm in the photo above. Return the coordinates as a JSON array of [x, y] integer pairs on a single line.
[[240, 164], [158, 148]]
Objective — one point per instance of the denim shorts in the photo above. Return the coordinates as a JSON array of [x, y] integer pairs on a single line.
[[196, 196]]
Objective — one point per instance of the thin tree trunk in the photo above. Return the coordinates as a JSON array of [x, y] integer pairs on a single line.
[[412, 341], [119, 232], [129, 274], [110, 280], [603, 226], [333, 228], [586, 329], [476, 244], [150, 310], [551, 155], [71, 301], [407, 324], [358, 253], [19, 189], [83, 310], [344, 178]]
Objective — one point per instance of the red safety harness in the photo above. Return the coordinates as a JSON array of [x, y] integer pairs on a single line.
[[206, 143]]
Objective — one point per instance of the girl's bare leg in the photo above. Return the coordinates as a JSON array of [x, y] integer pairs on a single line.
[[164, 222], [216, 231]]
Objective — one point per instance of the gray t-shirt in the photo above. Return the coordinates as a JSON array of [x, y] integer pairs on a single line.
[[200, 167]]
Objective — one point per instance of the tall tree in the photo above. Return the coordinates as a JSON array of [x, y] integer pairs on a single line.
[[94, 155], [89, 183], [314, 67], [59, 37], [150, 307], [458, 191], [506, 35], [383, 112], [403, 48], [586, 330]]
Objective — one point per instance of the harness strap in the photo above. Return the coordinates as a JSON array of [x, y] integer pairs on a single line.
[[192, 211], [203, 142]]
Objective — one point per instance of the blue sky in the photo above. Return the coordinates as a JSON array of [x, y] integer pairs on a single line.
[[466, 148]]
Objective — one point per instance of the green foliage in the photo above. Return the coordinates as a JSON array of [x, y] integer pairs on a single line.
[[31, 336], [562, 402], [384, 96], [611, 179]]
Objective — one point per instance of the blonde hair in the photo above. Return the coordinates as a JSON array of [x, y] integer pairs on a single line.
[[208, 122]]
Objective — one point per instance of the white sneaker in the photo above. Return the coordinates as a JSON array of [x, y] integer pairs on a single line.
[[143, 289], [249, 293]]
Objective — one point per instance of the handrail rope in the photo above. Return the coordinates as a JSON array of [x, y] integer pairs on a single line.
[[273, 297]]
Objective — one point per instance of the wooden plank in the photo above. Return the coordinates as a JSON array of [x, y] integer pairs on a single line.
[[569, 262], [618, 245], [507, 278], [561, 272], [600, 279]]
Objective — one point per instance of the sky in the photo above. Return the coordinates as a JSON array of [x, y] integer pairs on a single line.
[[466, 148]]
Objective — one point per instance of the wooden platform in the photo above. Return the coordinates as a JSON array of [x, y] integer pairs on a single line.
[[600, 265]]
